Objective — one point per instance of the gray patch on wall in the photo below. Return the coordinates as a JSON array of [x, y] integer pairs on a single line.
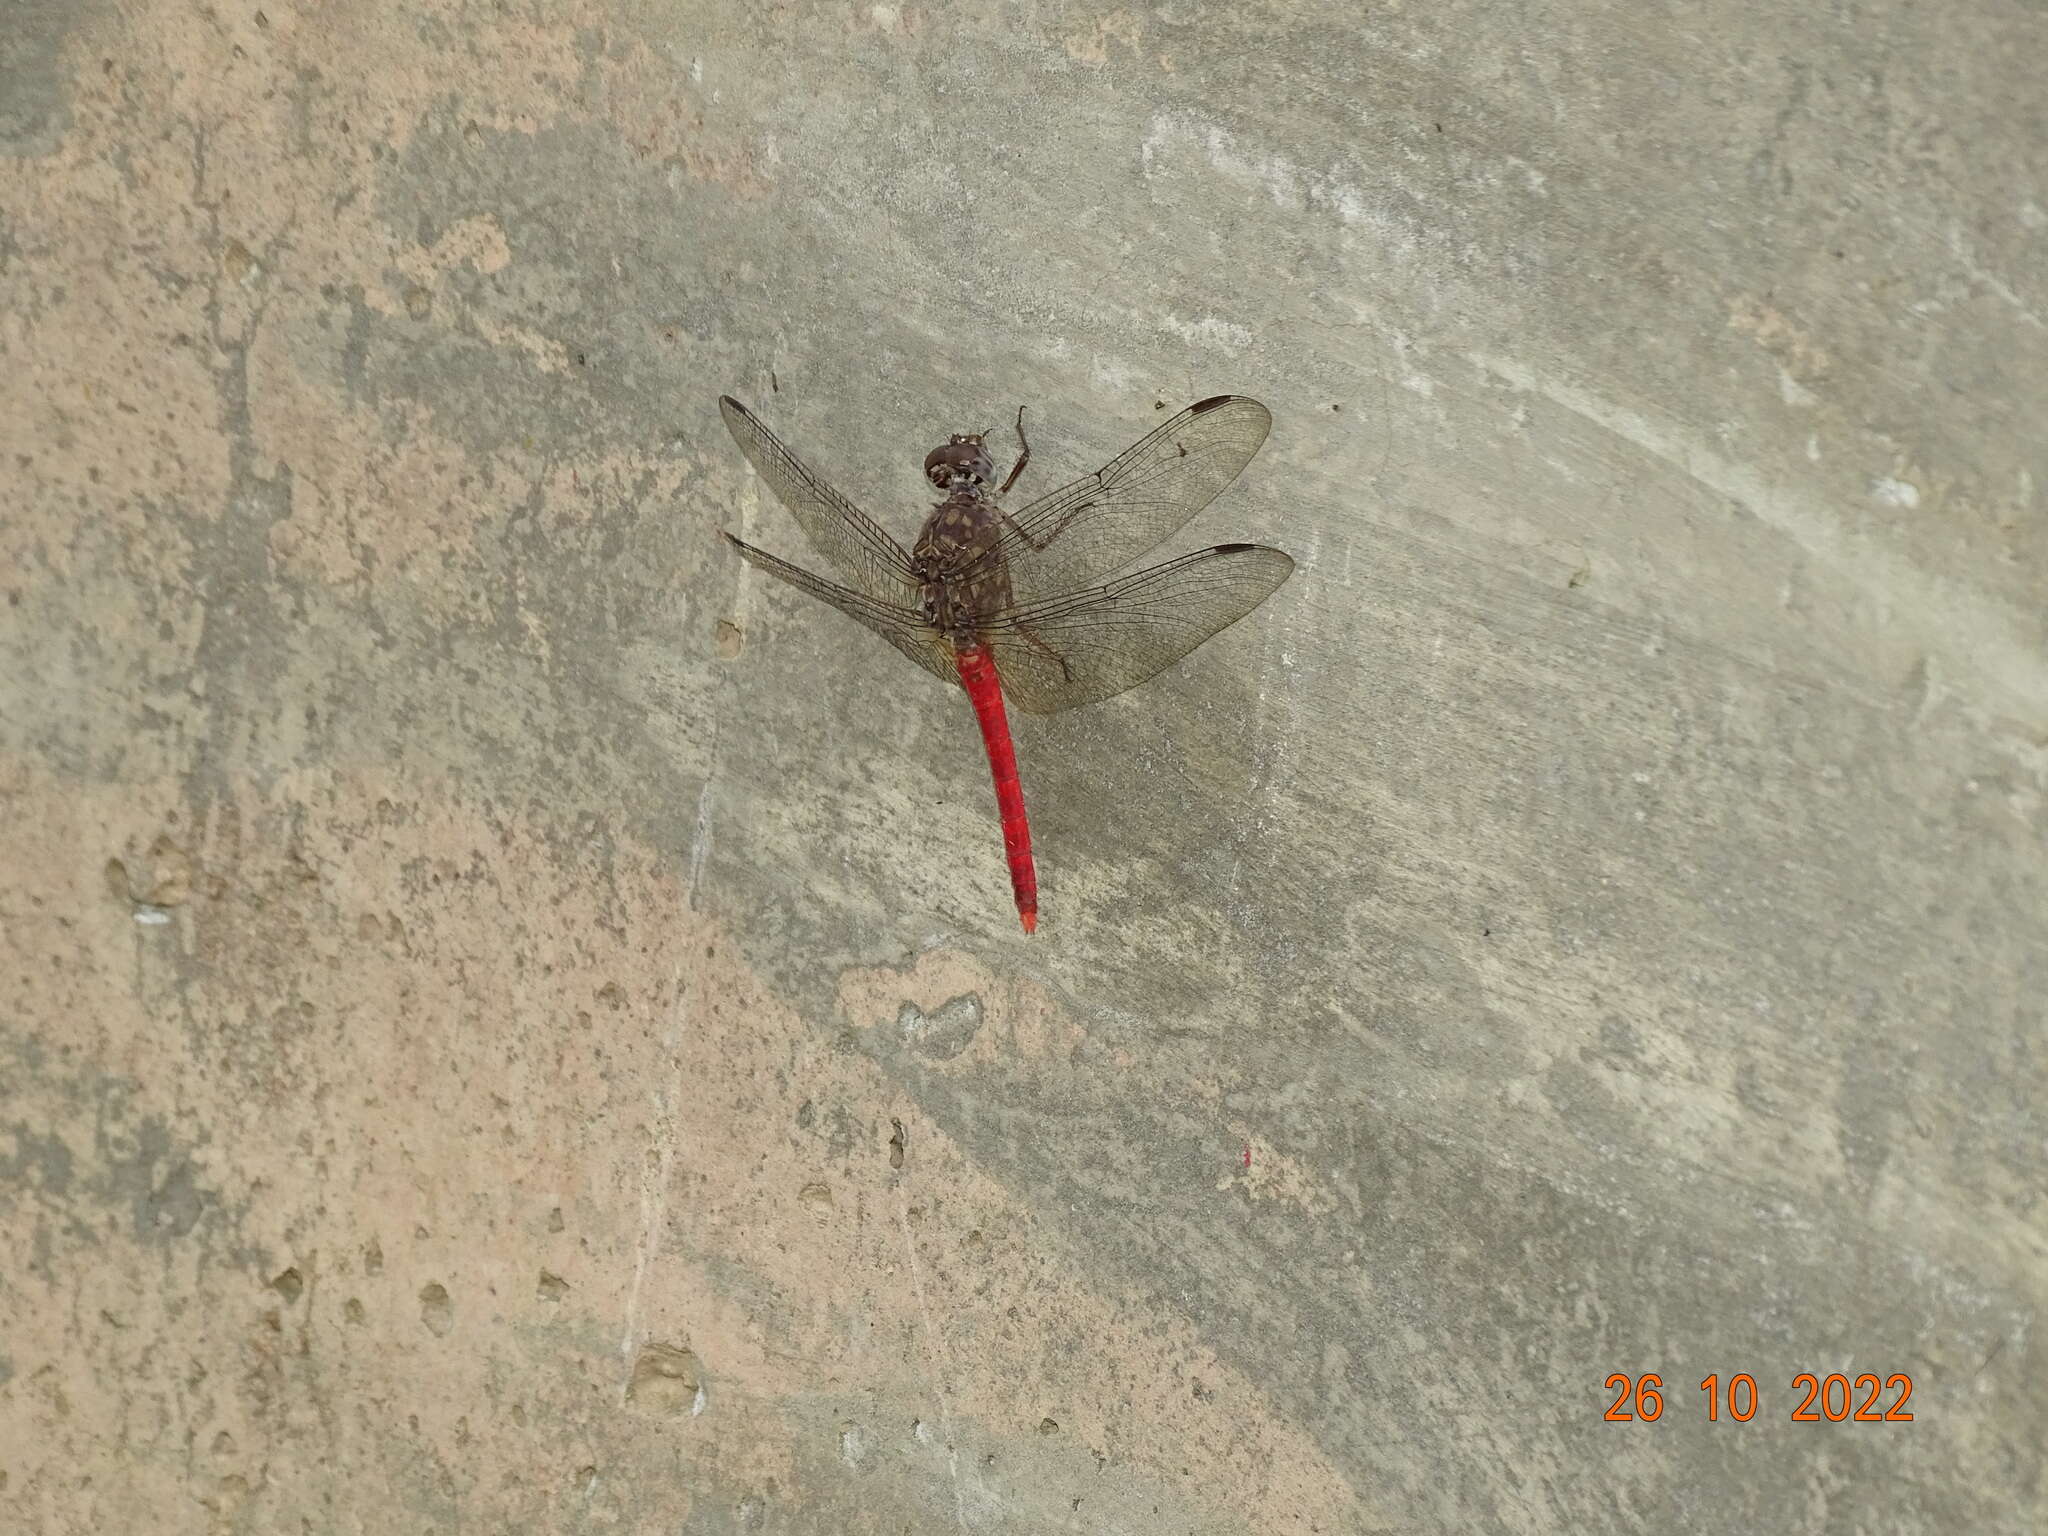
[[35, 109]]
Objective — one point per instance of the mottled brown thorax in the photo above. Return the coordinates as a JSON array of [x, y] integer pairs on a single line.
[[963, 583]]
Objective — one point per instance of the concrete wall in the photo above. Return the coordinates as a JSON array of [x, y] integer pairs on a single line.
[[511, 1022]]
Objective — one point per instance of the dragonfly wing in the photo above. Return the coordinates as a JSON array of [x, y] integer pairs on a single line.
[[903, 628], [853, 542], [1074, 650], [1145, 494]]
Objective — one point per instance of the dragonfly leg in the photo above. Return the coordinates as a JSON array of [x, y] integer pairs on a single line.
[[1022, 458], [1031, 635], [1051, 537]]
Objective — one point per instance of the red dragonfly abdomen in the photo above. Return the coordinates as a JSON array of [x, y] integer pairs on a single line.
[[985, 691]]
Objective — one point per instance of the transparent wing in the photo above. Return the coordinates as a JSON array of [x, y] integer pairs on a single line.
[[1102, 521], [903, 628], [855, 544], [1074, 650]]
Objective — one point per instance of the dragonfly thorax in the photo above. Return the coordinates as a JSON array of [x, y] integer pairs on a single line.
[[962, 580]]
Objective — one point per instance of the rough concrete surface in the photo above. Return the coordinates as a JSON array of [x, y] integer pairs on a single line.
[[510, 1021]]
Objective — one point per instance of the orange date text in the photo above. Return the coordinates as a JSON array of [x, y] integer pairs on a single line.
[[1830, 1399]]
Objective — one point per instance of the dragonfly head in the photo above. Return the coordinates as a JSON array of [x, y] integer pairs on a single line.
[[962, 459]]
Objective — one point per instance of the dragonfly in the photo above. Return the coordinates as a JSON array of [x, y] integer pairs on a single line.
[[1014, 605]]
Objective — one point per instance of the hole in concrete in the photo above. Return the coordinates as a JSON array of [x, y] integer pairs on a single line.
[[667, 1379], [436, 1310]]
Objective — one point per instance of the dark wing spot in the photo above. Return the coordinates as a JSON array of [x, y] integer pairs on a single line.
[[1209, 404], [1231, 549]]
